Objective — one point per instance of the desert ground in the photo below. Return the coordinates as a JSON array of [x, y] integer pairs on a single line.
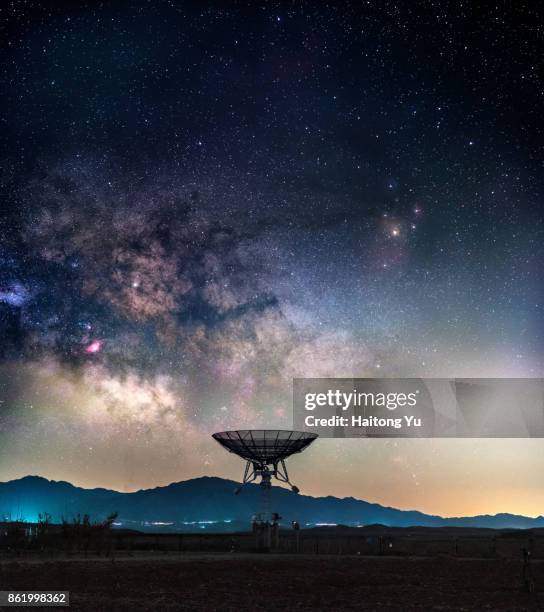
[[254, 582]]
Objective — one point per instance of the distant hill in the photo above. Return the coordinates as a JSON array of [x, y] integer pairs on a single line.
[[210, 504]]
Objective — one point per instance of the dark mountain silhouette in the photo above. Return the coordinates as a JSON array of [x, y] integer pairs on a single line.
[[209, 503]]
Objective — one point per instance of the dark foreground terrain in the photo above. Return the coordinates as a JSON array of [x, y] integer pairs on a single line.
[[280, 582]]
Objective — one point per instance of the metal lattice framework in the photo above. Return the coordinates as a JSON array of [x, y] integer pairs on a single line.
[[265, 451], [264, 446]]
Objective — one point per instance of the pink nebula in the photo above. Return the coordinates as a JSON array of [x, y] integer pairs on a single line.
[[94, 346]]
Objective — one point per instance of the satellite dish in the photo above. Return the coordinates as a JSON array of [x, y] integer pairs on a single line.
[[265, 452]]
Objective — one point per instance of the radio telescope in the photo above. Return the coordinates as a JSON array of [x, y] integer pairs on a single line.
[[265, 452]]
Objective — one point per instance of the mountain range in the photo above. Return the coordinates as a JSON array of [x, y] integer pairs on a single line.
[[209, 503]]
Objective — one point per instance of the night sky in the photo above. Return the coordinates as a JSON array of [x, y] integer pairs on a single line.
[[200, 201]]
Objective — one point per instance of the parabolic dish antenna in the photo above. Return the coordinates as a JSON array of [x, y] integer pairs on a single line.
[[265, 451], [265, 446]]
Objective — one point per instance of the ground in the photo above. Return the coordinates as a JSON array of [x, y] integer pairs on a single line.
[[280, 582]]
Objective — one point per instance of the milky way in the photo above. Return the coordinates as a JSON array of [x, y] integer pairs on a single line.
[[199, 204]]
